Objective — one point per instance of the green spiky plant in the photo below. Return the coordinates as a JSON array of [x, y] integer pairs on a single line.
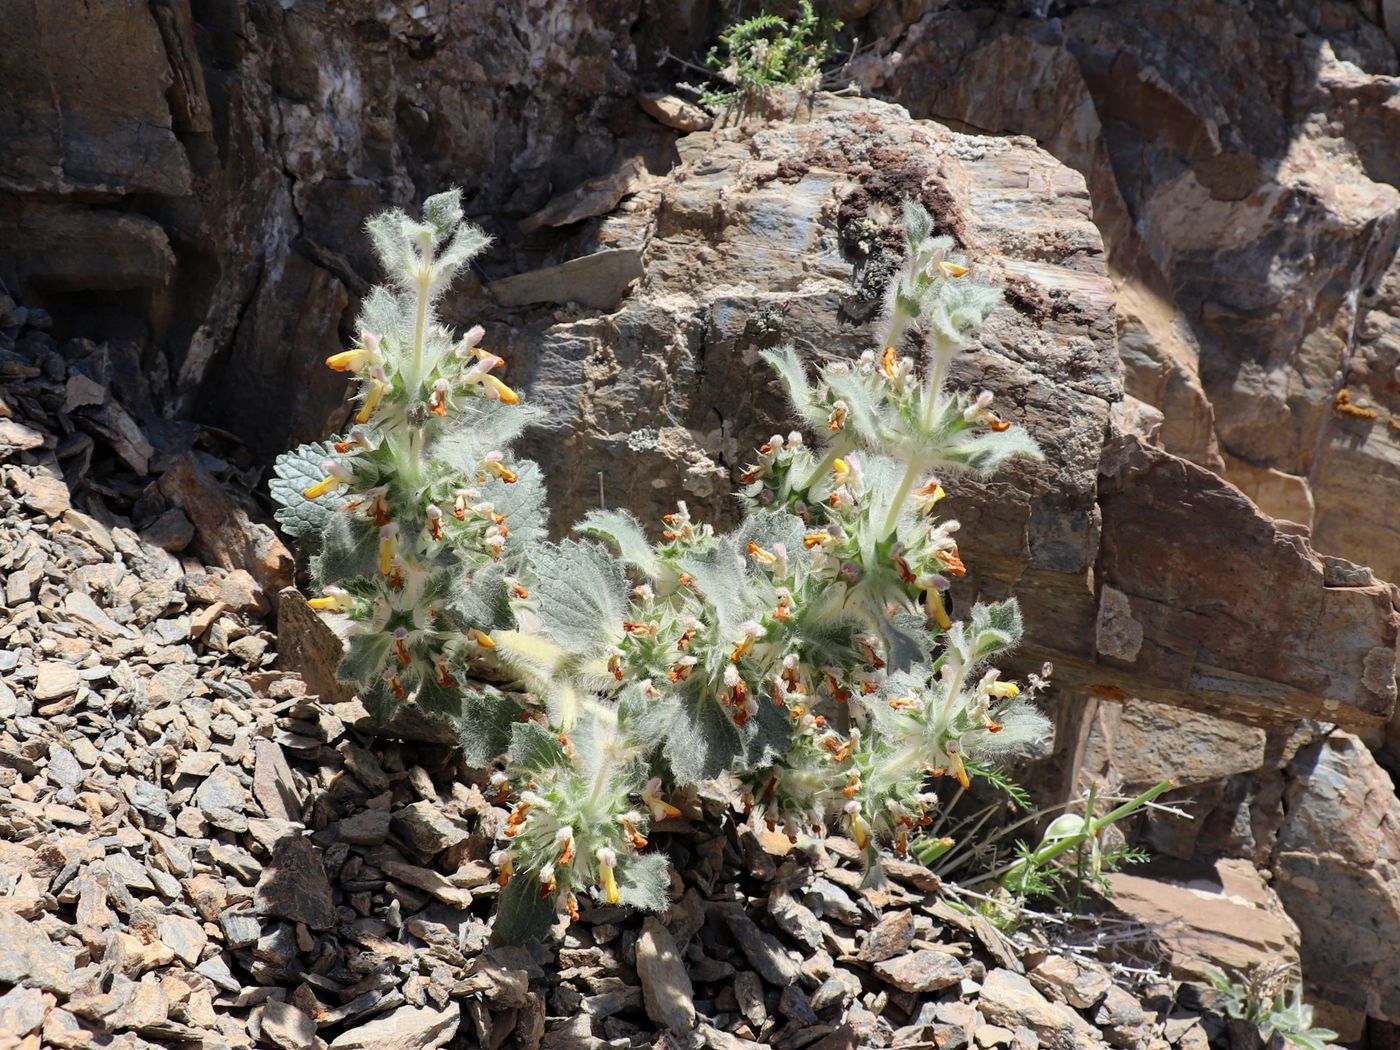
[[767, 52], [810, 653]]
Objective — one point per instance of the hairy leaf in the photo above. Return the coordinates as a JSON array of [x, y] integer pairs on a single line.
[[484, 728], [521, 914], [350, 551], [579, 593], [533, 748], [294, 471], [624, 532], [643, 881], [365, 654]]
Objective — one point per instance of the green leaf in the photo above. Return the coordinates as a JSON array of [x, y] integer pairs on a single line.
[[791, 371], [702, 740], [579, 593], [294, 471], [984, 451], [379, 702], [521, 916], [533, 748], [438, 699], [521, 503], [443, 211], [350, 551], [994, 628], [719, 577], [643, 881], [481, 599], [625, 533], [365, 653], [484, 727]]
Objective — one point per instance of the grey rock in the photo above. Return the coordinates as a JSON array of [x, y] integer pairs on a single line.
[[796, 1007], [889, 937], [1009, 1000], [407, 1028], [924, 970], [28, 956], [368, 828], [427, 829], [240, 928], [185, 937], [795, 919], [598, 280], [764, 952], [221, 790], [21, 1011], [273, 784], [836, 991], [666, 986], [286, 1027], [294, 885]]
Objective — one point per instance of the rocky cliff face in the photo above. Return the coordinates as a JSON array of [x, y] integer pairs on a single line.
[[1250, 220], [1192, 206]]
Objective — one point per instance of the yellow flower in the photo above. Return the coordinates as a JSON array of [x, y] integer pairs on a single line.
[[377, 389], [607, 861], [387, 541], [498, 391]]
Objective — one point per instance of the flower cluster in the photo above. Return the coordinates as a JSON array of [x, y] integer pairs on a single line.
[[812, 653], [416, 521]]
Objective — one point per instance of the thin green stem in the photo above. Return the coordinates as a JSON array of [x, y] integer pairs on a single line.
[[911, 475]]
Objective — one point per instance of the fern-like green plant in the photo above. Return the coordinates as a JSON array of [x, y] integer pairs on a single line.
[[767, 52], [810, 653]]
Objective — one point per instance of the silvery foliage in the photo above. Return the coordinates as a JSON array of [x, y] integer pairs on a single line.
[[417, 522], [809, 653]]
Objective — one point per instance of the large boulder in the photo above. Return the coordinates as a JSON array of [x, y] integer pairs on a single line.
[[1142, 574], [1250, 222], [1336, 867]]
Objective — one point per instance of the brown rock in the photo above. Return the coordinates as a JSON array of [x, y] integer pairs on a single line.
[[922, 971], [294, 885], [1222, 915], [224, 534], [666, 986], [598, 280], [172, 531], [407, 1028], [675, 112], [273, 785], [1009, 1000], [55, 681], [1337, 871]]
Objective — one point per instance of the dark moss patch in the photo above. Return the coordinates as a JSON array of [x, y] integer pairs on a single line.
[[787, 171], [1026, 298]]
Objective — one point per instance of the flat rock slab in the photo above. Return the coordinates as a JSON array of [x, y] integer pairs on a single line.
[[666, 988], [294, 885], [407, 1028], [599, 280]]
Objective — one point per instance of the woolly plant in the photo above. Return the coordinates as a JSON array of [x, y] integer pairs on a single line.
[[810, 653]]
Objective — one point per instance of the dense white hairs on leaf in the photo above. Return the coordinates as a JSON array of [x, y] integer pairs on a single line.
[[1025, 730], [984, 452], [382, 313], [793, 373], [644, 881], [578, 591], [624, 533], [720, 577]]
